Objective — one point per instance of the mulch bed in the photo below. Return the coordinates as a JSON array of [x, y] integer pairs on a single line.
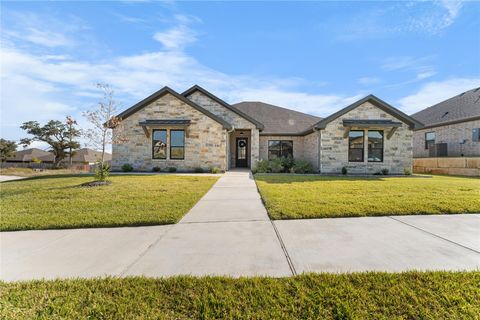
[[95, 184]]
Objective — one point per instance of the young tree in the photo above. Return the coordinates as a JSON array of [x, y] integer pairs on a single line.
[[56, 134], [71, 123], [103, 120], [7, 149]]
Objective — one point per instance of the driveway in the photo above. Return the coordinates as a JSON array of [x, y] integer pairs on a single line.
[[228, 232]]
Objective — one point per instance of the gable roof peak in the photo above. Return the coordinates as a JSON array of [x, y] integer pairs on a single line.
[[377, 102], [196, 87], [160, 93]]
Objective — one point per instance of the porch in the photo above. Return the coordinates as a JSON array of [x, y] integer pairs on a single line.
[[242, 148]]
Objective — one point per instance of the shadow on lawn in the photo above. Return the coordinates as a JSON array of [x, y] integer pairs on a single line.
[[74, 175], [283, 179], [295, 178]]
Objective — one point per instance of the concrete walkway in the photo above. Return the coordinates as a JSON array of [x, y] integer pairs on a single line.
[[4, 178], [228, 232]]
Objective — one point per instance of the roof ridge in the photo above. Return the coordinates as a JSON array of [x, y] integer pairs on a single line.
[[272, 105]]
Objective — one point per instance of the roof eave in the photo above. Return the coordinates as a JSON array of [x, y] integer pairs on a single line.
[[441, 124]]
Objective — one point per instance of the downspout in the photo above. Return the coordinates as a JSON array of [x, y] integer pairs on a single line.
[[319, 153], [227, 147]]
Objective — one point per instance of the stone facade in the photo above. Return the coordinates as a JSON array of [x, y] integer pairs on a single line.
[[310, 149], [208, 144], [458, 137], [397, 154], [239, 123], [205, 138]]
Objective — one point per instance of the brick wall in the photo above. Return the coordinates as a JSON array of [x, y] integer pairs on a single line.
[[453, 135]]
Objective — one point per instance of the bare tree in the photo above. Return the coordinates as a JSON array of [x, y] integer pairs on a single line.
[[103, 120]]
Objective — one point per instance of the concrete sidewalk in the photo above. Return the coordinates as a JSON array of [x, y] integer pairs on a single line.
[[4, 178], [228, 232]]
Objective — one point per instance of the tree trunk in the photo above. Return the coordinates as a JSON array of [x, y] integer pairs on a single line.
[[103, 147]]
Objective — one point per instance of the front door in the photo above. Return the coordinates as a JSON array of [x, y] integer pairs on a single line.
[[241, 156]]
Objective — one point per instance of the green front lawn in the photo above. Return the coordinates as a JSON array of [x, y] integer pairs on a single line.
[[52, 202], [297, 197], [411, 295]]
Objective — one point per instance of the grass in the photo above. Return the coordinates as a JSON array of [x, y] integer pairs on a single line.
[[53, 202], [28, 172], [297, 197], [410, 295]]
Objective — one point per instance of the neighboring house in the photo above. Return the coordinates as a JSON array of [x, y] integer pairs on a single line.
[[28, 156], [452, 128], [87, 156], [196, 129], [82, 157]]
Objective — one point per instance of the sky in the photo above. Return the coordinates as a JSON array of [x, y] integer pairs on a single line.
[[314, 57]]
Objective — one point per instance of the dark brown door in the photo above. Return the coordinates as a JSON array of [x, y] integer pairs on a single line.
[[241, 155]]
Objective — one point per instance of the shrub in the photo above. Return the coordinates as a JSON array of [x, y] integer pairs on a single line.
[[215, 170], [302, 166], [407, 172], [172, 169], [385, 171], [275, 165], [288, 163], [344, 170], [262, 166], [127, 167], [102, 170], [156, 169], [198, 170]]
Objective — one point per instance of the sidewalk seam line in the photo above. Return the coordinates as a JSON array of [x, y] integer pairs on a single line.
[[284, 248], [435, 235], [222, 221], [144, 252], [277, 233]]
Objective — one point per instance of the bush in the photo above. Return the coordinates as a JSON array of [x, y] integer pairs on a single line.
[[275, 165], [215, 170], [344, 170], [102, 170], [385, 171], [288, 163], [407, 172], [198, 170], [127, 167], [172, 169], [156, 169], [262, 166], [302, 166]]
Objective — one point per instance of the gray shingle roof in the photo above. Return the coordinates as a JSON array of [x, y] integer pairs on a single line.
[[87, 155], [28, 154], [465, 106], [277, 120]]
